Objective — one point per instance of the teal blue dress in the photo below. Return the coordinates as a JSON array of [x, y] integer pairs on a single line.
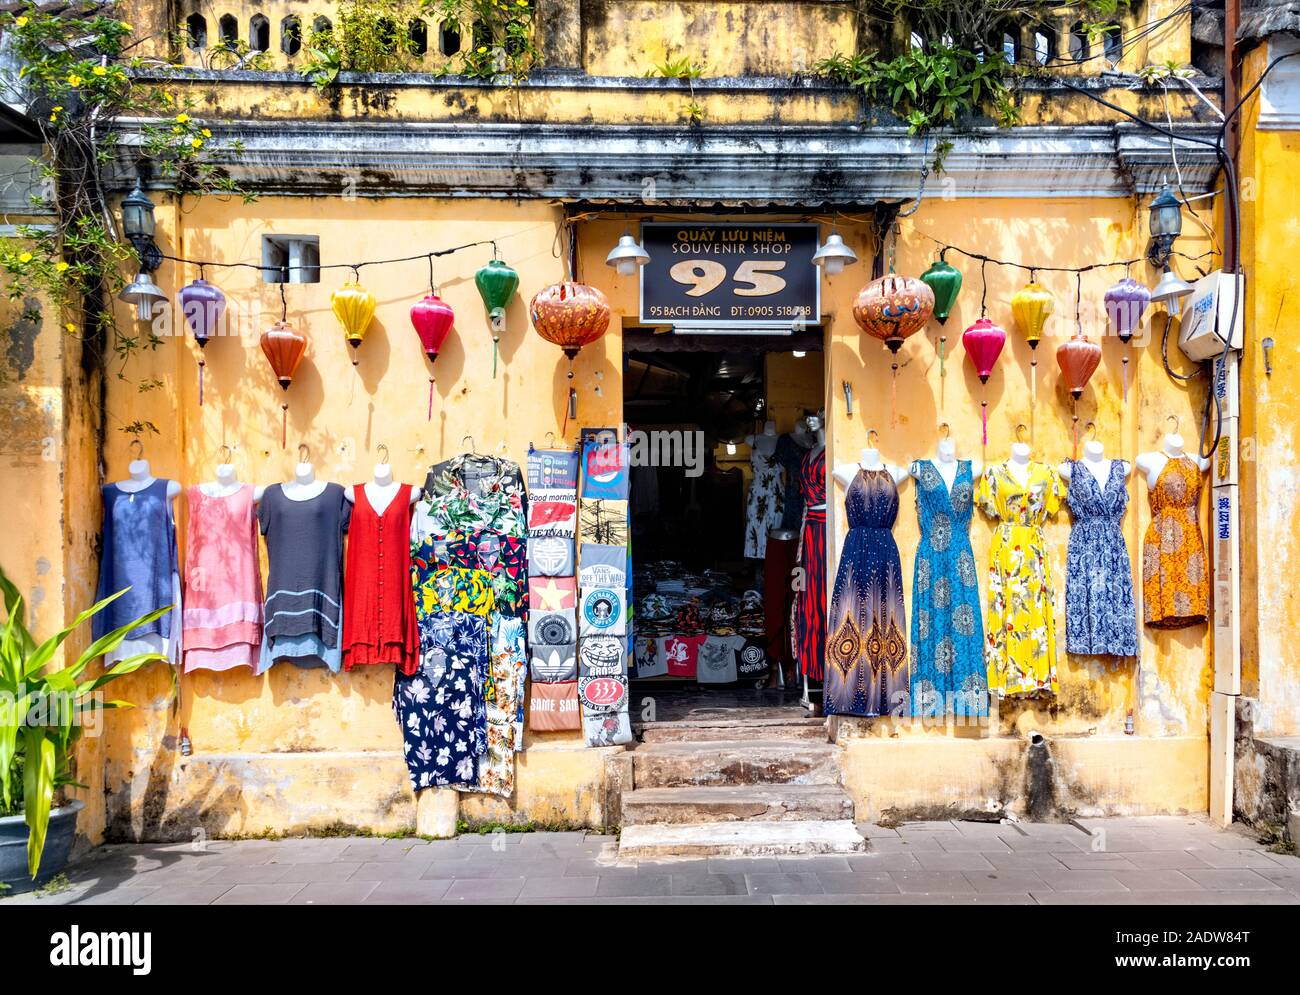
[[948, 675]]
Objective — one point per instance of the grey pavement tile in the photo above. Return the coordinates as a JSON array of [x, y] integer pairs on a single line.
[[1006, 882], [256, 874], [930, 882], [909, 844], [559, 887], [744, 865], [885, 862], [1095, 861], [933, 826], [1165, 898], [654, 900], [814, 865], [543, 867], [873, 832], [1068, 880], [133, 896], [1232, 879], [1166, 859], [259, 894], [386, 854], [334, 893], [1286, 860], [334, 870], [674, 865], [438, 870], [634, 885], [984, 830], [1229, 859], [784, 884], [406, 892], [1024, 861], [708, 884], [1234, 839], [488, 839], [965, 861], [1157, 879], [973, 844], [953, 898], [1046, 844], [858, 883], [484, 890], [197, 894]]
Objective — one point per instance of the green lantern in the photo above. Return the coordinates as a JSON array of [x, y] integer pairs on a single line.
[[945, 281], [496, 283]]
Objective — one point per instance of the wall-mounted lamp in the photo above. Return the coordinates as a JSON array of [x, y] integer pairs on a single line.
[[138, 227], [834, 255], [143, 293], [1170, 292], [628, 256], [1166, 224]]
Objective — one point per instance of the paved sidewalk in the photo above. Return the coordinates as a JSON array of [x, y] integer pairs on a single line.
[[1168, 860]]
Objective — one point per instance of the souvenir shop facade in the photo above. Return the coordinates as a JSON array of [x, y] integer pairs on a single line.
[[1065, 208]]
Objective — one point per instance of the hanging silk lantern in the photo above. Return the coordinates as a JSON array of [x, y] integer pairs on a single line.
[[571, 315], [496, 283], [1031, 306], [1078, 359], [945, 282], [354, 306], [892, 308], [284, 347], [432, 318], [983, 342], [204, 307], [1125, 303]]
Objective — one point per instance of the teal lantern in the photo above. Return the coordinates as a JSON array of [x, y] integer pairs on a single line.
[[496, 283], [945, 281]]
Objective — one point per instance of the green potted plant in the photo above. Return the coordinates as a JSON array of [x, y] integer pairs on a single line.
[[42, 715]]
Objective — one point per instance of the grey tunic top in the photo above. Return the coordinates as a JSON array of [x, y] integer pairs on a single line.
[[304, 544]]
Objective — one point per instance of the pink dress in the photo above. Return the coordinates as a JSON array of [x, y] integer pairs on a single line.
[[223, 582]]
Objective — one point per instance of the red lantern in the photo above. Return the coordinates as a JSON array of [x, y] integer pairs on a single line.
[[432, 318], [284, 347], [1078, 359], [571, 315], [890, 309], [983, 342]]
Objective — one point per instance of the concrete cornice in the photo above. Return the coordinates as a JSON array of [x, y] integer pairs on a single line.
[[750, 164]]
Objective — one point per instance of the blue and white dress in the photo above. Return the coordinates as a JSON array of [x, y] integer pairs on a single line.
[[1100, 614], [948, 674]]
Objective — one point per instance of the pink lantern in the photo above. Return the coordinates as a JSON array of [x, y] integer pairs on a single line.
[[983, 342], [432, 318]]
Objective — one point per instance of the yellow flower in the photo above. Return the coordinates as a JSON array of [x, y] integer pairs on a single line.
[[207, 132], [168, 97], [69, 326], [20, 21], [182, 118], [196, 143], [24, 257], [127, 27], [60, 267], [177, 129], [57, 107], [482, 49], [54, 116], [100, 71], [74, 80]]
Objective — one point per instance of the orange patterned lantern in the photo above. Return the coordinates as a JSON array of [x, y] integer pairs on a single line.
[[284, 348], [571, 315], [1078, 359], [890, 309]]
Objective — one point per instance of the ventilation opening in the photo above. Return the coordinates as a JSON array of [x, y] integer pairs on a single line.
[[1112, 43], [290, 35], [259, 34], [1010, 47], [419, 35], [291, 259], [196, 31], [1080, 48], [322, 26], [448, 40], [229, 28], [1044, 45]]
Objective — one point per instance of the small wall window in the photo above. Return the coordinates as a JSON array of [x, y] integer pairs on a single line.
[[916, 42], [322, 26], [419, 34], [1112, 43], [291, 259], [259, 34], [290, 35], [229, 28], [1044, 45], [448, 40], [1010, 47], [1080, 48], [196, 31]]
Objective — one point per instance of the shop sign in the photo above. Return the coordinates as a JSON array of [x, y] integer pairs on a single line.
[[722, 274]]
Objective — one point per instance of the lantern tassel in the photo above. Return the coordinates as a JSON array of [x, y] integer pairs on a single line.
[[430, 418], [1074, 430], [494, 357], [893, 397], [201, 365], [284, 425], [1033, 383], [984, 422], [1124, 378]]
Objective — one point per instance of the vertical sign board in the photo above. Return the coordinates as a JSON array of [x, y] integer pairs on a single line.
[[1225, 524], [722, 274]]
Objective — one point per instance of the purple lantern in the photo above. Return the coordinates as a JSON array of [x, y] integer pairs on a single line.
[[204, 307], [1125, 303]]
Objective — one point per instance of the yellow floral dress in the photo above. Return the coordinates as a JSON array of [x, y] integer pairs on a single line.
[[1020, 644]]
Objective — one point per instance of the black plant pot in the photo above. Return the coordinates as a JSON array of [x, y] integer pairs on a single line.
[[13, 848]]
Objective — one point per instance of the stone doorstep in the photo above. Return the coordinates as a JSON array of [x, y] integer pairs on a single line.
[[741, 839], [712, 730], [712, 763], [736, 803]]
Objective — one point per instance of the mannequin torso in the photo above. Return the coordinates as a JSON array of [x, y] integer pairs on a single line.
[[381, 491], [946, 462], [1094, 460], [139, 477], [765, 442], [303, 487], [226, 484], [1152, 464], [869, 459], [1018, 463]]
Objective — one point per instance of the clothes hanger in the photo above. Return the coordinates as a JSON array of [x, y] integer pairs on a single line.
[[383, 451], [472, 448]]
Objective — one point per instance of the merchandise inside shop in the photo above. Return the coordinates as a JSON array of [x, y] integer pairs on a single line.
[[725, 424]]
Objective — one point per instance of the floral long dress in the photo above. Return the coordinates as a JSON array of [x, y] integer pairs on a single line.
[[948, 674], [1020, 645], [765, 503], [1100, 618], [866, 671], [1175, 578]]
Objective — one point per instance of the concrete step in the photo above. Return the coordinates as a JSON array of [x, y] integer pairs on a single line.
[[713, 730], [737, 803], [717, 762], [741, 839]]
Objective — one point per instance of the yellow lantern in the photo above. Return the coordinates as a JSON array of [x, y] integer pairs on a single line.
[[1031, 306], [354, 306]]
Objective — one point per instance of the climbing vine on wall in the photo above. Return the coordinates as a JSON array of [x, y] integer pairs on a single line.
[[72, 72]]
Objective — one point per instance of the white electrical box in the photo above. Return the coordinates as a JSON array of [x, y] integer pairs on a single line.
[[1210, 320]]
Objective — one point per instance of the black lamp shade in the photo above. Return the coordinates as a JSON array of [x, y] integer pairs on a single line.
[[1166, 214], [137, 215]]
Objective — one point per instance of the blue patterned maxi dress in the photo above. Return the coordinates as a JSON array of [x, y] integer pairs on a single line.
[[1100, 615], [948, 672], [866, 671]]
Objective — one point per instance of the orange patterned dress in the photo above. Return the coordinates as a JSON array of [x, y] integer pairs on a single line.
[[1175, 573]]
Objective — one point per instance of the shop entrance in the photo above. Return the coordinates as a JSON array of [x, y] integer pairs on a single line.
[[715, 534]]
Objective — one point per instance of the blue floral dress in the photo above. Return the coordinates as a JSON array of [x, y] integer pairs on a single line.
[[948, 673], [1100, 614]]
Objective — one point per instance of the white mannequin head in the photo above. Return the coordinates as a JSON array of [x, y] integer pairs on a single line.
[[383, 474], [1173, 444], [138, 468], [304, 473], [1020, 452], [1093, 450], [226, 475]]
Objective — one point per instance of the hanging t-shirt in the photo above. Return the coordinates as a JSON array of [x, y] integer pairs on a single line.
[[602, 612], [716, 662], [647, 658], [552, 664], [751, 661], [680, 654], [602, 566]]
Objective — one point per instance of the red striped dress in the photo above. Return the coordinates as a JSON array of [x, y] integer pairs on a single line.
[[808, 619]]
